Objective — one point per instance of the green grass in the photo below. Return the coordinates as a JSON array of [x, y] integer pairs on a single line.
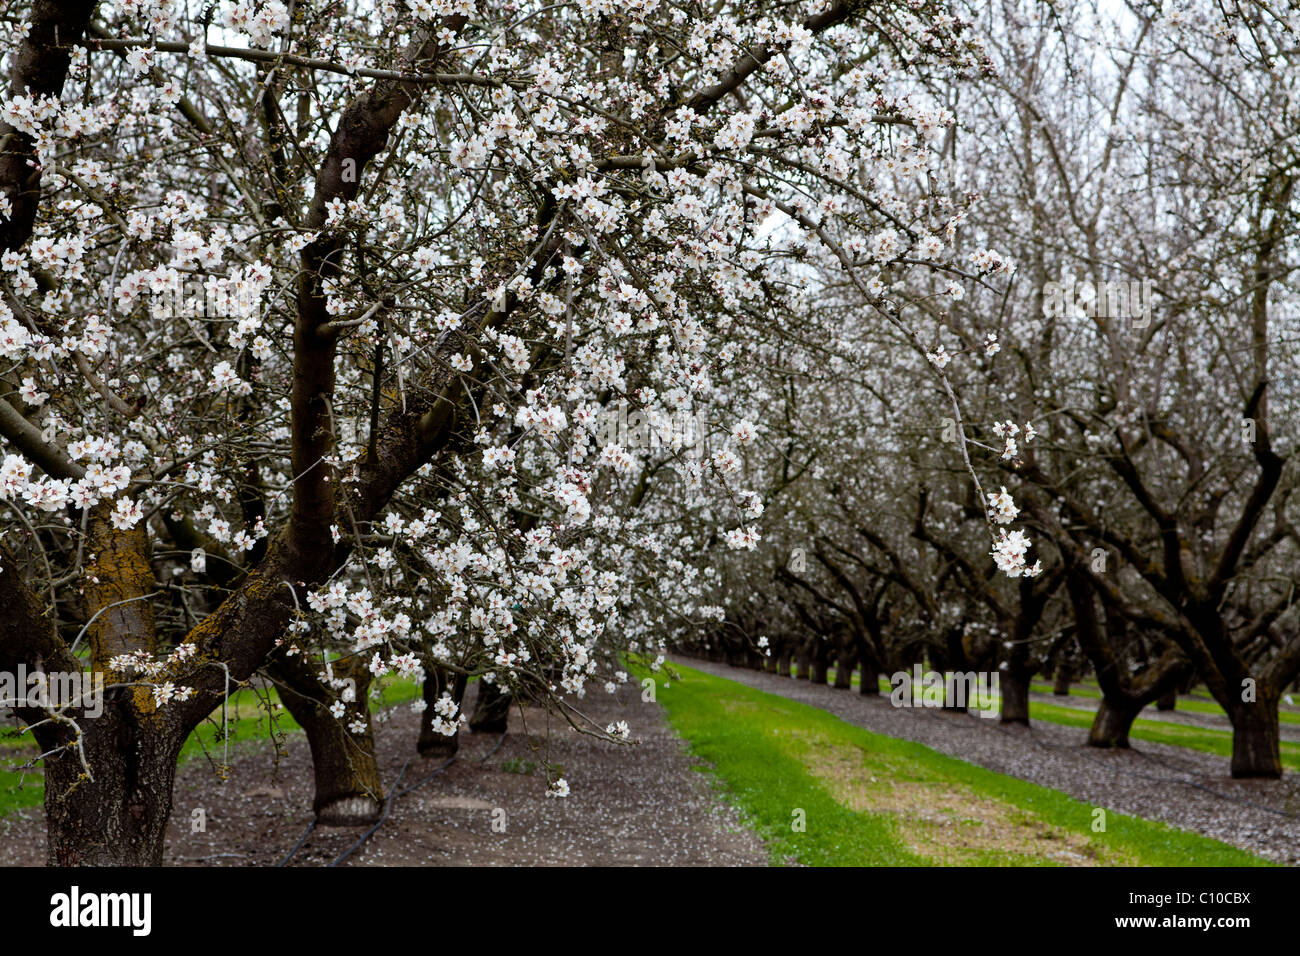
[[1154, 730], [1161, 732], [1191, 703], [868, 799], [1188, 703], [251, 723]]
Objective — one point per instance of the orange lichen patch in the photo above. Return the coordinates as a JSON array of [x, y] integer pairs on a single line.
[[947, 822], [142, 698], [117, 578], [204, 633]]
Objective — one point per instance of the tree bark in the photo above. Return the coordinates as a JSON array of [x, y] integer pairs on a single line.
[[819, 667], [1111, 726], [492, 712], [1168, 700], [1256, 741], [869, 679], [1063, 676], [803, 661], [119, 818], [38, 67], [844, 672], [1014, 686], [348, 790]]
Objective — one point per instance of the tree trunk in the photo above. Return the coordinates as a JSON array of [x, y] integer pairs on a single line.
[[120, 817], [969, 695], [819, 667], [432, 744], [783, 662], [1168, 700], [1111, 726], [803, 662], [869, 679], [844, 673], [1014, 686], [348, 791], [492, 712], [1062, 686], [1256, 750]]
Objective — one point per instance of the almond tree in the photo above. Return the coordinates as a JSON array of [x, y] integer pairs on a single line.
[[332, 297], [1155, 217]]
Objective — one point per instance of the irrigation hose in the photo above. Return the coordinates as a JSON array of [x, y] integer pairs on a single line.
[[301, 840], [388, 806]]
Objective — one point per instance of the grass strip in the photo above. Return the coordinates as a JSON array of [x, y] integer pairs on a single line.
[[865, 799]]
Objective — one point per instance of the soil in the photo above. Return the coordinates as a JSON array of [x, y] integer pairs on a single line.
[[642, 804], [639, 804]]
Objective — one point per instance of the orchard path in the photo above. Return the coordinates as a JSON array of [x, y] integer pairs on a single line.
[[638, 805], [1185, 788]]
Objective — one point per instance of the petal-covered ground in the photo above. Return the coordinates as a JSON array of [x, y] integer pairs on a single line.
[[639, 804]]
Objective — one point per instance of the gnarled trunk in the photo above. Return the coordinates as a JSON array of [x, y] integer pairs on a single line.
[[1168, 700], [1111, 725], [1014, 687], [348, 791], [1061, 688], [869, 679], [1123, 694], [1256, 742], [118, 818], [819, 667]]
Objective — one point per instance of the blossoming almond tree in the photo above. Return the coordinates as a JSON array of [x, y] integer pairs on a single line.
[[1143, 327], [310, 314]]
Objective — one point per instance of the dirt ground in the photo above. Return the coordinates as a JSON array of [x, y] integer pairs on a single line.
[[637, 805]]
